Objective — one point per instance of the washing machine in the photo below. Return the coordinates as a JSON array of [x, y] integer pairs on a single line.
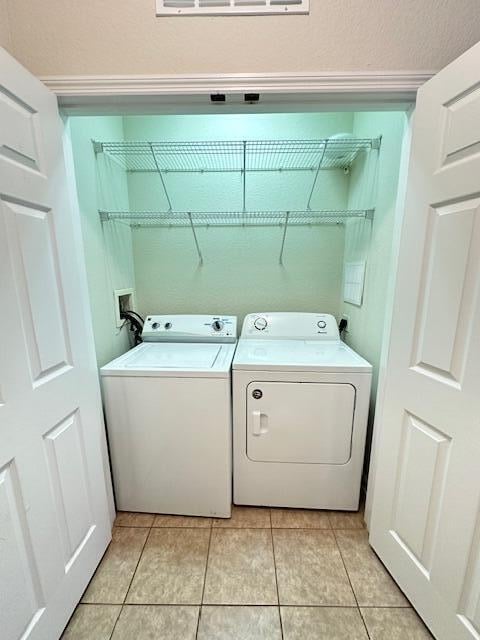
[[300, 409], [169, 421]]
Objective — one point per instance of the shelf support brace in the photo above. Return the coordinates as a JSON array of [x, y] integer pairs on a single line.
[[287, 216], [161, 176], [316, 176], [200, 257], [244, 176]]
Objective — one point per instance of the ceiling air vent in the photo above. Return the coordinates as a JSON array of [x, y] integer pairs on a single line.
[[230, 7]]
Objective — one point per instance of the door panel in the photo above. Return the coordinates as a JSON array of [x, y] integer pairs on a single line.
[[30, 232], [19, 140], [462, 126], [426, 500], [68, 473], [422, 466], [21, 602], [448, 277], [300, 422], [54, 504]]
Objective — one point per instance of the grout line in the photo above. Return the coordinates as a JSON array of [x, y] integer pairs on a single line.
[[204, 581], [276, 578], [364, 622], [232, 604], [136, 566], [350, 582], [385, 606], [223, 526], [133, 576], [240, 528], [116, 622]]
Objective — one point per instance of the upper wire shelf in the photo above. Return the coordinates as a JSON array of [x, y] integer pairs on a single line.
[[237, 156], [234, 218]]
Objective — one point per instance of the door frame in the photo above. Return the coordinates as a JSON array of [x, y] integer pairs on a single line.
[[182, 94], [130, 94], [87, 311]]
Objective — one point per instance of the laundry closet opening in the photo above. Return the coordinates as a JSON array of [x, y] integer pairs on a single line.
[[239, 213]]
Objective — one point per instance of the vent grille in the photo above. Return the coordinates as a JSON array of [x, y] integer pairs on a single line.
[[230, 7]]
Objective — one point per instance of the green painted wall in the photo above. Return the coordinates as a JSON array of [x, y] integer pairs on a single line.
[[241, 272], [108, 248], [375, 183]]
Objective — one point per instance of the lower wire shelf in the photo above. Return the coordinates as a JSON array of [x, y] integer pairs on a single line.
[[234, 218]]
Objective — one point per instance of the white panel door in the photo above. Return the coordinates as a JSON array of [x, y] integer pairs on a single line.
[[426, 507], [54, 506]]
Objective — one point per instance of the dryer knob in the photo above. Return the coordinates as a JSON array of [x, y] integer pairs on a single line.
[[321, 324], [260, 324], [217, 325], [167, 325], [155, 325]]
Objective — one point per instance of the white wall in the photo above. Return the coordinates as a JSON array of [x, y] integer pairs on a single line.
[[5, 30], [373, 242], [241, 271], [55, 37], [108, 248]]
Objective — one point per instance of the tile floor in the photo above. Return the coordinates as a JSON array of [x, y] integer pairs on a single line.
[[265, 574]]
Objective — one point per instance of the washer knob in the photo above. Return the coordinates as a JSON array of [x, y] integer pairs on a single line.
[[321, 324], [217, 325], [260, 324], [167, 325], [155, 325]]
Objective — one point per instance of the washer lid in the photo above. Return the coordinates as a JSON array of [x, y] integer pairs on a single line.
[[298, 355], [174, 359]]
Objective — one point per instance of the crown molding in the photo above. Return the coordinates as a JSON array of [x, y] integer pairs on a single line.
[[141, 85], [90, 95]]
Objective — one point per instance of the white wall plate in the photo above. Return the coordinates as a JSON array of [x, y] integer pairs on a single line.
[[353, 282]]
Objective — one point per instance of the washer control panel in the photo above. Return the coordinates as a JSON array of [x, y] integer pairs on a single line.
[[292, 326], [189, 328]]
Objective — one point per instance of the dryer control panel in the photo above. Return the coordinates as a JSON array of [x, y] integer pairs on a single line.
[[190, 328], [290, 326]]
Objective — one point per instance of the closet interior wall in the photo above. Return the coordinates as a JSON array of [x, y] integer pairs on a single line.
[[241, 272], [101, 183], [373, 242]]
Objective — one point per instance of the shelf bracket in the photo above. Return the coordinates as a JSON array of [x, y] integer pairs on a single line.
[[192, 226], [160, 176], [316, 176], [97, 147], [244, 177], [285, 225]]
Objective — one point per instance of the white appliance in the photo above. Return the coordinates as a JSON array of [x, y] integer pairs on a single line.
[[168, 409], [300, 408]]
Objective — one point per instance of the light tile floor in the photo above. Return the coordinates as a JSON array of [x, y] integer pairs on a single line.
[[265, 574]]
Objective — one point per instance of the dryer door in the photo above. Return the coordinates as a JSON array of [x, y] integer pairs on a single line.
[[300, 422]]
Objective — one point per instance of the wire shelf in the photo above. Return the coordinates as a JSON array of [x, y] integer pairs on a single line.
[[236, 156], [234, 218]]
